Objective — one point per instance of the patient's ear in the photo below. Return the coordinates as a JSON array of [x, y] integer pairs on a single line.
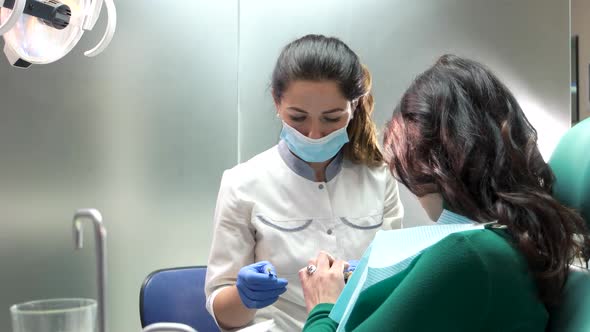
[[433, 204]]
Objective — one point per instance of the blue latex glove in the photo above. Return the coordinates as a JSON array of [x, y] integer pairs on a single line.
[[352, 264], [259, 286]]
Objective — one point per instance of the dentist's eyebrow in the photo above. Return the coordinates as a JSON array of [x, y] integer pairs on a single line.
[[334, 110], [296, 109]]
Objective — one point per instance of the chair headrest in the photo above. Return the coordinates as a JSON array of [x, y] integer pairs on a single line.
[[571, 164]]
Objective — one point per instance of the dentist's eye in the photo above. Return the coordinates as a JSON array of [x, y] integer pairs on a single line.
[[332, 119], [297, 118]]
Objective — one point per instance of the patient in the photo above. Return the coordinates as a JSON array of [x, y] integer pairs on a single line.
[[458, 132]]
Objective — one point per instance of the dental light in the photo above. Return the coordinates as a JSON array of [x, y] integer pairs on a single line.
[[44, 31]]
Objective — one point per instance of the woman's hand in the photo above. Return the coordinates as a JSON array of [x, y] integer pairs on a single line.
[[258, 285], [325, 284]]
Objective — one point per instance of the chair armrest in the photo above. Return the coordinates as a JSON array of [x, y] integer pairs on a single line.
[[168, 327]]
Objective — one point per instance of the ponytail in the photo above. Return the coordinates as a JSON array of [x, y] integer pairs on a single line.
[[363, 147]]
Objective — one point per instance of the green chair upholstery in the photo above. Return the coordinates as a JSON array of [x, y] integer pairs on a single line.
[[573, 314], [571, 164]]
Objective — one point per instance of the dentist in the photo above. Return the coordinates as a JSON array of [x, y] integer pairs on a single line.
[[324, 186]]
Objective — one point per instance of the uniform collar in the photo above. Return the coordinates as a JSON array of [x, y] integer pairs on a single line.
[[303, 169]]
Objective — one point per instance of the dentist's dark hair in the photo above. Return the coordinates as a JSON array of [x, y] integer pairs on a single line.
[[320, 58], [460, 132]]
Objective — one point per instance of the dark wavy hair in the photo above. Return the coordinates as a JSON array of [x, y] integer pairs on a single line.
[[321, 58], [460, 132]]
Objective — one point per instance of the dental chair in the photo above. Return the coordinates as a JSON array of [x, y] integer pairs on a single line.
[[177, 296], [571, 164]]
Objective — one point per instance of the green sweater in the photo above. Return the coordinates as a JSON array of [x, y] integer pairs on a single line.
[[469, 281]]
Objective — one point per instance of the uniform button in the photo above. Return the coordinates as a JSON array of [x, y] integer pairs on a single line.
[[321, 186], [329, 232]]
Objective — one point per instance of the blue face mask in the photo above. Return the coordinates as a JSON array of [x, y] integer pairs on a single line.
[[314, 150]]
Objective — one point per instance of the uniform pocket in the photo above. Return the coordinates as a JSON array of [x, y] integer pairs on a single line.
[[285, 226], [287, 244], [364, 223]]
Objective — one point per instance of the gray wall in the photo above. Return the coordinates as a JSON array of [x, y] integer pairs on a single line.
[[141, 132], [144, 131], [581, 27]]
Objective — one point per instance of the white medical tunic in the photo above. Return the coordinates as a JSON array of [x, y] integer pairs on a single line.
[[270, 208]]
